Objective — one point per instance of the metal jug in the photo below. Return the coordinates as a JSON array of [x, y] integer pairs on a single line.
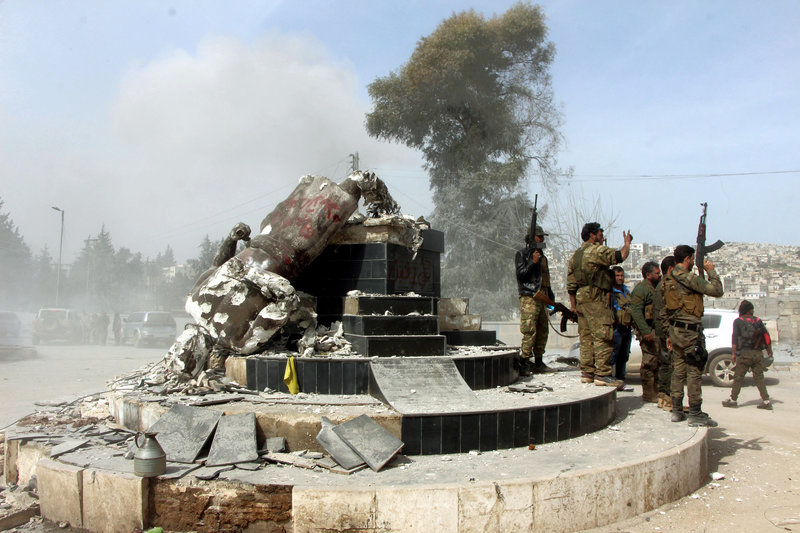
[[149, 459]]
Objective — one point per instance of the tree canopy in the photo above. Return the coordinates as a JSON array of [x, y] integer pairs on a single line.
[[476, 99]]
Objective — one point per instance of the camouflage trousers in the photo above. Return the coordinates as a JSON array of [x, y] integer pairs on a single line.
[[596, 335], [649, 368], [533, 325], [746, 360], [684, 374], [664, 368]]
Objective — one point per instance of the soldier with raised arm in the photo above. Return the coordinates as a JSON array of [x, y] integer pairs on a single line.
[[683, 300], [589, 282]]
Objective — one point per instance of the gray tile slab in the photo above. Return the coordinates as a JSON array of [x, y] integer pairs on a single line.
[[234, 441], [423, 385], [67, 446], [183, 431], [369, 440], [338, 449]]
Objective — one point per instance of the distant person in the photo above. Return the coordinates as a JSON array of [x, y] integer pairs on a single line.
[[621, 305], [116, 328], [102, 328], [643, 314], [533, 275], [683, 298], [662, 332], [749, 339], [589, 282]]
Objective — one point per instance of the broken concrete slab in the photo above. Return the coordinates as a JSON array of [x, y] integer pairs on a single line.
[[210, 472], [369, 440], [290, 459], [423, 385], [183, 431], [338, 449], [329, 464], [276, 444], [234, 441], [67, 446], [178, 470]]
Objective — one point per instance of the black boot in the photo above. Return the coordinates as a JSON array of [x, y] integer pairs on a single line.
[[523, 366], [698, 418], [677, 409]]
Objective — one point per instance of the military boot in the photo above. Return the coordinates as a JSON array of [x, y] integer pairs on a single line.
[[677, 410], [698, 418], [650, 393], [667, 405]]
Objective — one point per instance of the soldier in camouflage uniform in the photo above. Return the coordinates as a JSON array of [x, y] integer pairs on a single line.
[[644, 325], [683, 300], [588, 284], [662, 332], [533, 275]]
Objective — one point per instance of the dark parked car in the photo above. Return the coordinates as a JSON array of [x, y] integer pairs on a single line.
[[148, 327], [54, 324], [9, 324]]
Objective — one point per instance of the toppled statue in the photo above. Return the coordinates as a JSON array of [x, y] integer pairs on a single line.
[[245, 299]]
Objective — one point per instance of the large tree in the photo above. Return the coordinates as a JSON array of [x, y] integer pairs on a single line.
[[15, 264], [475, 97]]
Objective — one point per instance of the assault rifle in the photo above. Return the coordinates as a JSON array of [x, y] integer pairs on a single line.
[[530, 246], [702, 249], [566, 312]]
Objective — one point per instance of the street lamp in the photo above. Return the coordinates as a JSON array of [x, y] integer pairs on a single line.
[[60, 248]]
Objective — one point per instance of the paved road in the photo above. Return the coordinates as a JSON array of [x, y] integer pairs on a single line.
[[61, 372]]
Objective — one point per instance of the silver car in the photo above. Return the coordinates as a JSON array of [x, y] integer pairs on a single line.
[[148, 327]]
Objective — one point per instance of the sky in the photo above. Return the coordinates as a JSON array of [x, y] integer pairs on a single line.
[[164, 122]]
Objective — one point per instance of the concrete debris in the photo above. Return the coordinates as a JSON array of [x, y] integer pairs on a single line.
[[290, 459], [276, 444]]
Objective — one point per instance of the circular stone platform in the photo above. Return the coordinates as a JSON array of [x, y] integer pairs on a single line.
[[639, 462]]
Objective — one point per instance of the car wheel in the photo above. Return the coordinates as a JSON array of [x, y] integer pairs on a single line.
[[721, 370]]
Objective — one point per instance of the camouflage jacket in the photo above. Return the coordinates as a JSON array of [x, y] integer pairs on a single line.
[[688, 289], [588, 275], [660, 311], [642, 309]]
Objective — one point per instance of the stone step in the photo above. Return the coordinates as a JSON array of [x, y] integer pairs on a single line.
[[471, 338], [397, 345], [379, 304], [390, 324]]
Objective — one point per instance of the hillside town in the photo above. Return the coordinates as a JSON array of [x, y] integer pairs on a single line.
[[766, 274]]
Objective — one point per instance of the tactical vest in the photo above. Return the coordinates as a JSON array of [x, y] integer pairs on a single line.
[[624, 316], [599, 278], [691, 303]]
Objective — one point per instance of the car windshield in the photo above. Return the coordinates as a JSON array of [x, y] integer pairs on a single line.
[[711, 321], [160, 319], [52, 314]]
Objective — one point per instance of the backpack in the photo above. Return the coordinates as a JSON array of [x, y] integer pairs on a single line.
[[751, 332]]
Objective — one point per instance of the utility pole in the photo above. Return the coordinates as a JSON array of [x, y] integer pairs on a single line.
[[60, 248], [354, 162]]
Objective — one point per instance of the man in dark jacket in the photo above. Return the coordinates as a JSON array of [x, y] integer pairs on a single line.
[[533, 275]]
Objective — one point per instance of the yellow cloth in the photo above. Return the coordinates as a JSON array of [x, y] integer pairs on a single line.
[[290, 377]]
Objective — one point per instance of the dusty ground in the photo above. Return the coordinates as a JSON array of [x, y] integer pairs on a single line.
[[759, 454]]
